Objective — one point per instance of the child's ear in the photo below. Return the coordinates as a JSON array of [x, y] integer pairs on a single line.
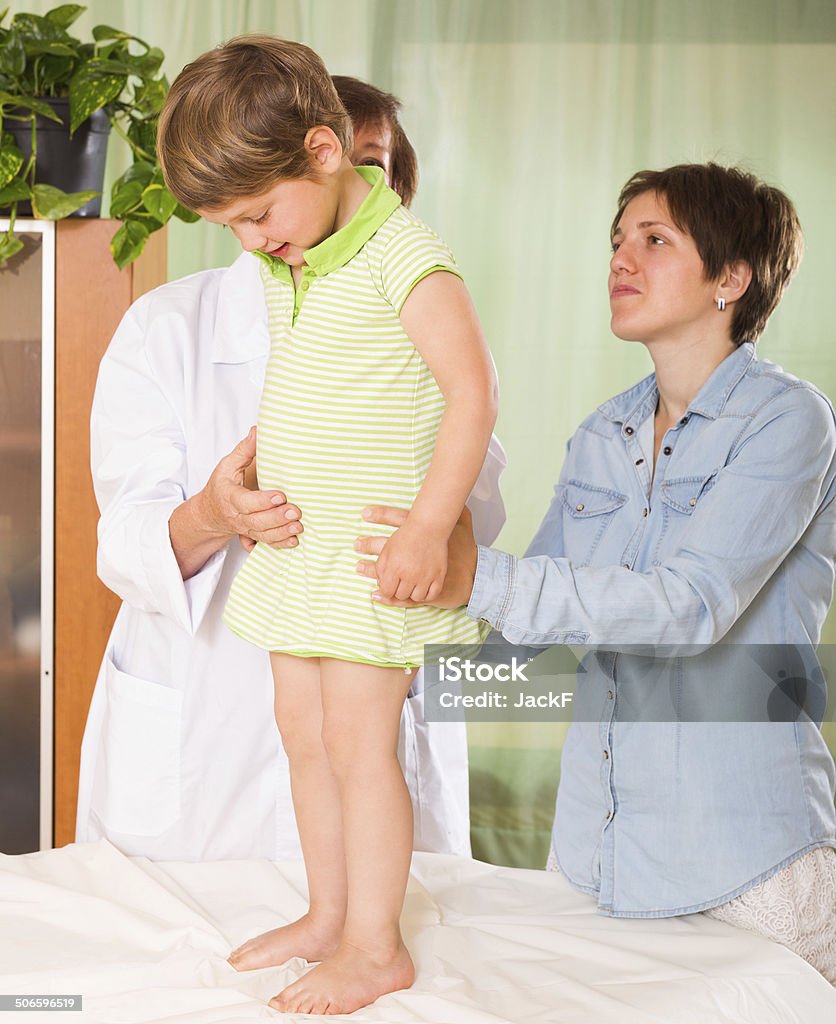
[[324, 148]]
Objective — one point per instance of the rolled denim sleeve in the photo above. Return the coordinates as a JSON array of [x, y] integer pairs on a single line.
[[779, 476]]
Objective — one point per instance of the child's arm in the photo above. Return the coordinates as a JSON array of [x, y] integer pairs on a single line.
[[440, 321]]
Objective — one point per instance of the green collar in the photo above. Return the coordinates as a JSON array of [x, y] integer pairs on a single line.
[[337, 249]]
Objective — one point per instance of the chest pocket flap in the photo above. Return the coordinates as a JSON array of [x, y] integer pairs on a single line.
[[685, 493], [583, 500]]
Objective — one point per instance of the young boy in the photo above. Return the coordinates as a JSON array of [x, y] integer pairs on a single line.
[[380, 389]]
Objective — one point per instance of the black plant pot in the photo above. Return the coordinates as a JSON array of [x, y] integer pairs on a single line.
[[72, 163]]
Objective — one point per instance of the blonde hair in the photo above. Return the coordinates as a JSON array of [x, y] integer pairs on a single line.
[[235, 120]]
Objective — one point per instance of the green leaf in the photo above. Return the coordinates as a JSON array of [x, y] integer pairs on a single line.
[[11, 159], [128, 243], [34, 29], [12, 55], [140, 170], [189, 216], [89, 93], [9, 245], [159, 202], [64, 15], [14, 192], [149, 63], [47, 46], [50, 203], [10, 101], [101, 32], [57, 69], [124, 198], [150, 96], [143, 133]]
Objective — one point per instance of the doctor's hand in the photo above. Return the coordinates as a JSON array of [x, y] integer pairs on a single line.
[[231, 506], [461, 558], [226, 508]]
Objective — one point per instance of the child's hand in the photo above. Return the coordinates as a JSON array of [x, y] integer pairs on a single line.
[[413, 563]]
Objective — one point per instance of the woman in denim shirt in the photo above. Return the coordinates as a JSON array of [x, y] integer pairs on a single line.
[[698, 508]]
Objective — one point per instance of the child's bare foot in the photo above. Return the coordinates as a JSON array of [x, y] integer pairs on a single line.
[[351, 978], [310, 938]]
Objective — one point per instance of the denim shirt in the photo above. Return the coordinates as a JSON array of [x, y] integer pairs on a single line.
[[734, 542]]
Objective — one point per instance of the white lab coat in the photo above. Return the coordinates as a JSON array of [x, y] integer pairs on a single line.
[[181, 758]]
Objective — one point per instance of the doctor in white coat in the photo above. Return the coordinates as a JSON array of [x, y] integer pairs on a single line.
[[181, 757]]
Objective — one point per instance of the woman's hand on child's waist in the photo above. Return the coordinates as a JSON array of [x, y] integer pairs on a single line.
[[459, 559]]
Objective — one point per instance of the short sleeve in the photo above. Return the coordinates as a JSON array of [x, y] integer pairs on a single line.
[[410, 255]]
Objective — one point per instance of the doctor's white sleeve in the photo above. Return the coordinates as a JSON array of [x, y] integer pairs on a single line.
[[139, 468]]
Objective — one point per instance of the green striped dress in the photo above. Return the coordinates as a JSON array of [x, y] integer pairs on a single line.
[[348, 418]]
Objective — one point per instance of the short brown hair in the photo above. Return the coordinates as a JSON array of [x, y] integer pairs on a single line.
[[235, 120], [368, 105], [731, 216]]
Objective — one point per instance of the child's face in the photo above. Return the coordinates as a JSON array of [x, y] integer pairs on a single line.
[[285, 221]]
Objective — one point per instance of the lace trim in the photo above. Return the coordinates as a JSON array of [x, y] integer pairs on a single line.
[[796, 907]]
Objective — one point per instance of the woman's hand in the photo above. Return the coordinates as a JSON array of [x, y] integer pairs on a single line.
[[461, 559]]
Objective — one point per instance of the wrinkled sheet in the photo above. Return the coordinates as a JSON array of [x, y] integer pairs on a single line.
[[146, 942]]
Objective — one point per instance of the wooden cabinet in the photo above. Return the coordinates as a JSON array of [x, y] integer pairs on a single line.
[[61, 299]]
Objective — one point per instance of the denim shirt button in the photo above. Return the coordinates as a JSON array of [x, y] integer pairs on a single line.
[[628, 431], [626, 565], [683, 421], [667, 449], [645, 512], [692, 502], [579, 508], [606, 755], [609, 694]]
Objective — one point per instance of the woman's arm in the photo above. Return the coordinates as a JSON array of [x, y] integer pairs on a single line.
[[782, 475]]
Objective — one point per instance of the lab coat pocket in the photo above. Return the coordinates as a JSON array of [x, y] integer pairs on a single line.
[[140, 794]]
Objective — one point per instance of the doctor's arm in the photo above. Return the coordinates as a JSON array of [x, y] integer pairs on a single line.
[[226, 507], [140, 468]]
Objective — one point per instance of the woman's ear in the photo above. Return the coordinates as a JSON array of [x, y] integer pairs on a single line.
[[734, 281], [324, 148]]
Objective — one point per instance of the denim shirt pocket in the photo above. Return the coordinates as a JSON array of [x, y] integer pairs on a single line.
[[680, 497], [588, 512]]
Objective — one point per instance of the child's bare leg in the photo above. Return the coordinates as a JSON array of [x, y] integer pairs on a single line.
[[316, 801], [362, 707]]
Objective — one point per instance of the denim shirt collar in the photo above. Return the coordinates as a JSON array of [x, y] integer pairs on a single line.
[[635, 405]]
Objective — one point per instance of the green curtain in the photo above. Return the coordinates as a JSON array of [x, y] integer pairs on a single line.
[[527, 118]]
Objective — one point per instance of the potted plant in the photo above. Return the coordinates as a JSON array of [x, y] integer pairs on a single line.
[[48, 78]]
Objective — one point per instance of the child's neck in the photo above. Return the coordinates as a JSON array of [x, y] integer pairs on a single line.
[[351, 190]]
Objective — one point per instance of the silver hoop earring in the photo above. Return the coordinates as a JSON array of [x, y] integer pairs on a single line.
[[721, 304]]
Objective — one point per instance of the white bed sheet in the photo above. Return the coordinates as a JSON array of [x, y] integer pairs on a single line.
[[146, 942]]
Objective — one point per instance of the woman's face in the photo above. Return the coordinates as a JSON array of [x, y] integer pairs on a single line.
[[373, 147], [656, 283]]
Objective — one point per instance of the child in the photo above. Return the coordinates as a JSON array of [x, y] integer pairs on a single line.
[[380, 389]]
